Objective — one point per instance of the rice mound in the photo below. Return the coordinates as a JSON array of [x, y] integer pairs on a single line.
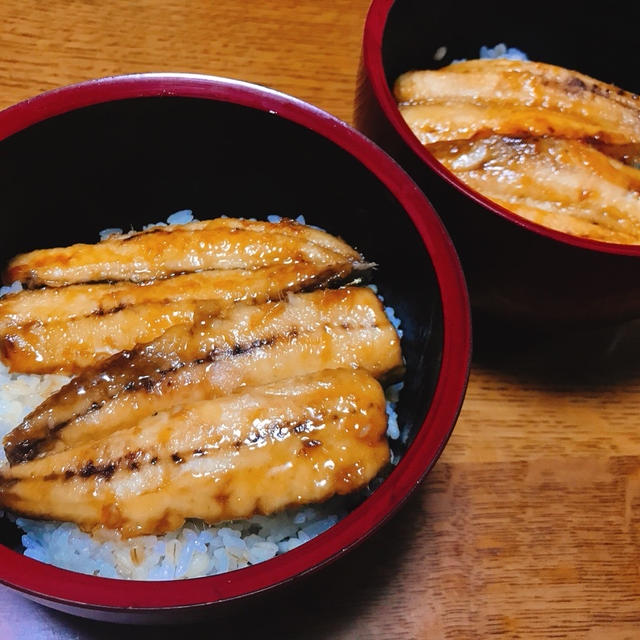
[[499, 51], [196, 549]]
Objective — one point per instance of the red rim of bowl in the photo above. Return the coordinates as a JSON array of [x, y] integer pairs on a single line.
[[374, 29], [65, 587]]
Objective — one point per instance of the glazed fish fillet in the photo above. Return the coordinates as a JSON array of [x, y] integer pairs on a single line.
[[51, 304], [66, 329], [566, 185], [259, 451], [162, 251], [216, 354], [478, 98]]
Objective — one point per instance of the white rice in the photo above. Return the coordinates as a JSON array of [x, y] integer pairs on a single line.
[[275, 218], [20, 394], [499, 51], [502, 51], [105, 233], [194, 550], [179, 217]]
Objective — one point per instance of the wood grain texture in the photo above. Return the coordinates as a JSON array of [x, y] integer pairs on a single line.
[[307, 49], [529, 525]]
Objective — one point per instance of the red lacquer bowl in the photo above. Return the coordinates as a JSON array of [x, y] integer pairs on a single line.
[[517, 271], [125, 151]]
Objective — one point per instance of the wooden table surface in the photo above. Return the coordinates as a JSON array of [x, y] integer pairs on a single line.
[[528, 526]]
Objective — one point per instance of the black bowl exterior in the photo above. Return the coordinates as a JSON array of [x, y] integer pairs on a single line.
[[526, 277]]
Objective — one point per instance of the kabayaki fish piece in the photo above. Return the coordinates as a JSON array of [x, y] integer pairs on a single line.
[[443, 121], [216, 354], [51, 304], [566, 185], [259, 451], [162, 251], [478, 98], [133, 313]]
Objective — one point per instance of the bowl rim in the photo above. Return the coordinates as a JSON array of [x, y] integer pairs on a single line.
[[59, 586], [374, 31]]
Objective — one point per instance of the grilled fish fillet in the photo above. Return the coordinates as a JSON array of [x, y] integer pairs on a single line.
[[66, 329], [478, 98], [214, 355], [51, 304], [566, 185], [159, 252], [261, 450]]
